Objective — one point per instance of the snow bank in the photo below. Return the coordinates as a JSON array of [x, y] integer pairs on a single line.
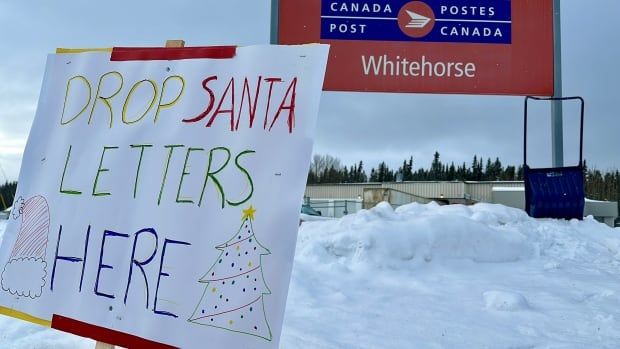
[[484, 233], [382, 237], [430, 276], [505, 301]]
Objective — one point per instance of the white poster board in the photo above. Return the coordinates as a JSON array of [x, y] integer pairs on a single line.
[[158, 200]]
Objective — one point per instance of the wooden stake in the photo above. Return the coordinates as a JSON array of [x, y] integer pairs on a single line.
[[170, 44], [175, 43], [102, 345]]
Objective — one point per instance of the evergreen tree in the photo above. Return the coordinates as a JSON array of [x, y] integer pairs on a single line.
[[373, 175], [599, 185], [451, 172], [519, 173], [462, 173], [509, 174], [476, 169], [382, 172], [493, 170], [408, 175], [436, 168], [312, 178], [361, 175], [421, 175], [7, 194]]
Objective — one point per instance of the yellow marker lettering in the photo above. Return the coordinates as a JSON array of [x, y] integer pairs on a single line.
[[128, 99], [106, 100], [174, 101], [64, 107]]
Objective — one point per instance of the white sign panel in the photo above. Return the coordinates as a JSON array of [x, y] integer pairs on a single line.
[[159, 198]]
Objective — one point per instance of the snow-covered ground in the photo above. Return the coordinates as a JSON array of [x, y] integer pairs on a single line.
[[429, 276]]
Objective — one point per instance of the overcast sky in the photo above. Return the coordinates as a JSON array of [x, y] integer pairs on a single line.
[[352, 126]]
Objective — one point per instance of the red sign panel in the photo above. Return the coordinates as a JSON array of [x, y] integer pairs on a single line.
[[428, 46]]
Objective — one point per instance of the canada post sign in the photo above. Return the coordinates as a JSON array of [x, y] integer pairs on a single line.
[[475, 21], [428, 46]]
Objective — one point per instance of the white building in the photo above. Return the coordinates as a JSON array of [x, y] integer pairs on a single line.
[[336, 200]]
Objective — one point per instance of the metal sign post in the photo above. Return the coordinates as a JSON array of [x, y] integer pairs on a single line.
[[275, 17], [557, 125]]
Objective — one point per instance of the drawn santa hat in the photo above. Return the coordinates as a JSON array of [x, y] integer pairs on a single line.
[[24, 273]]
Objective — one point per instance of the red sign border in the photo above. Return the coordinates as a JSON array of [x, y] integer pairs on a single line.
[[525, 67]]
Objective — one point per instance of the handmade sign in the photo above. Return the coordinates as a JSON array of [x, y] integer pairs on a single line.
[[159, 194]]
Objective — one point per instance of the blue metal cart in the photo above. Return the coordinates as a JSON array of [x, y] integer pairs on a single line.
[[556, 192]]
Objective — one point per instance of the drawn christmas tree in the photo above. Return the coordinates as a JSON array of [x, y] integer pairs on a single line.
[[233, 296]]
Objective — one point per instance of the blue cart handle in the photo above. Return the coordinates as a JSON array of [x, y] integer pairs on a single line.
[[553, 99]]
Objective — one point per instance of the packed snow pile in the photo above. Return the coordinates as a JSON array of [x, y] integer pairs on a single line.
[[483, 233], [505, 301], [385, 238], [430, 276]]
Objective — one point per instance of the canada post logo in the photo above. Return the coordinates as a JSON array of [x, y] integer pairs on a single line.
[[416, 19], [473, 21]]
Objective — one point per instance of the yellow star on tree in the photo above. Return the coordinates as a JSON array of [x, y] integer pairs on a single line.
[[249, 213]]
